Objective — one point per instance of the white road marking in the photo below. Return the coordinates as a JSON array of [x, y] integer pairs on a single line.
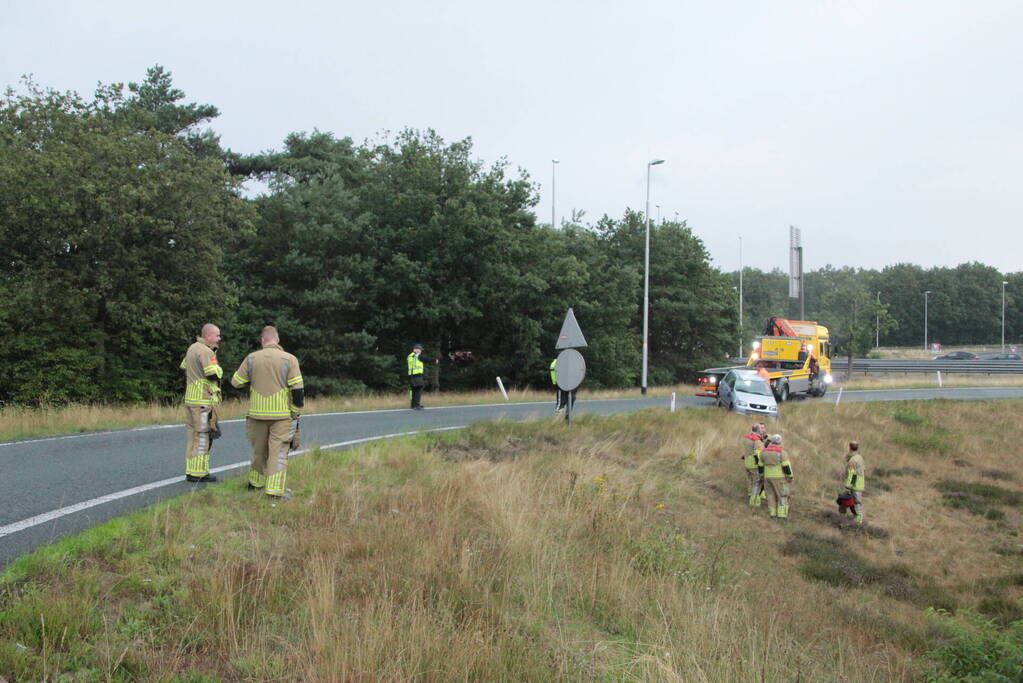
[[135, 490]]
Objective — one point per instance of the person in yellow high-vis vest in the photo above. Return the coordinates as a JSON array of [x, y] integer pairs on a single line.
[[855, 478], [416, 379], [777, 472], [202, 394], [276, 398], [752, 443]]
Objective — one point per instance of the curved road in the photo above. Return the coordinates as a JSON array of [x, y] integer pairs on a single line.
[[56, 486]]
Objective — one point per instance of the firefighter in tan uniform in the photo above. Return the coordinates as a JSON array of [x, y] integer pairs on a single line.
[[855, 479], [202, 394], [276, 397], [751, 445], [777, 477]]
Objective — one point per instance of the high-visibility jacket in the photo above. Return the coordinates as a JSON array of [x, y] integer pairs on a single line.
[[271, 373], [554, 374], [201, 374], [855, 478], [415, 365], [752, 445], [776, 463]]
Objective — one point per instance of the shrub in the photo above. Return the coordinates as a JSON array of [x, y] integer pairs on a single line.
[[975, 649]]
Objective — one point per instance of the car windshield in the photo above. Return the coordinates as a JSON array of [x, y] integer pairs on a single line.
[[752, 385]]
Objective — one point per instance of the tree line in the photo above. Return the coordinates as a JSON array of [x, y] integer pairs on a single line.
[[867, 306], [125, 226]]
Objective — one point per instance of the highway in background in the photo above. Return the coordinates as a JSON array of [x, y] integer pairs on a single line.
[[56, 486]]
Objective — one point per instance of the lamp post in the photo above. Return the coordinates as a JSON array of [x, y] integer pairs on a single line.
[[925, 318], [877, 324], [554, 168], [1003, 314], [658, 213], [646, 276], [740, 296]]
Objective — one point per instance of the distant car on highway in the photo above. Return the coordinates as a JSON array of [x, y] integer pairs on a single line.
[[958, 355], [999, 355], [746, 392]]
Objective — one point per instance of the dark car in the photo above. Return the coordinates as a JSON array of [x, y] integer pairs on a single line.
[[958, 355], [999, 355]]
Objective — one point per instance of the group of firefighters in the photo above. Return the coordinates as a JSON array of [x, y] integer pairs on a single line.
[[276, 399], [769, 474]]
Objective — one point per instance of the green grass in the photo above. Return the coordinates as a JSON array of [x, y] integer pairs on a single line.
[[981, 499]]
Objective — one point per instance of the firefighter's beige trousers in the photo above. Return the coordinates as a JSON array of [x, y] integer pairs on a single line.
[[271, 441], [777, 497], [197, 443], [753, 479]]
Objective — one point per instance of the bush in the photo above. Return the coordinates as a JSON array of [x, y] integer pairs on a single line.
[[975, 649]]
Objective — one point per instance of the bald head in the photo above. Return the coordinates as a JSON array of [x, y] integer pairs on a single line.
[[210, 334], [269, 335]]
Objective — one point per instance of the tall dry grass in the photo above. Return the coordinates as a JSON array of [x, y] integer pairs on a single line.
[[621, 548]]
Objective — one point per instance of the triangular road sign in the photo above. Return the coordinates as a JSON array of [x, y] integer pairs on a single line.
[[571, 337]]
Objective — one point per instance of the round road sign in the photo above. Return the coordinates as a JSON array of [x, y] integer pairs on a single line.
[[570, 370]]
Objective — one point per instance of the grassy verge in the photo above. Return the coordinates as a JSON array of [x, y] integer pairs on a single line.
[[891, 381], [621, 548]]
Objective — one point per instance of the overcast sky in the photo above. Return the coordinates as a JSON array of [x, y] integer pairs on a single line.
[[887, 130]]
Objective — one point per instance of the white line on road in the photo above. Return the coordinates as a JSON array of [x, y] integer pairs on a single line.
[[135, 490]]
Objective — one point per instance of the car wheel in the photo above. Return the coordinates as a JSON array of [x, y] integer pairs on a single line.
[[783, 393]]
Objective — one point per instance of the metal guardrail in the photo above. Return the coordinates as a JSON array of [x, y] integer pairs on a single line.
[[867, 366]]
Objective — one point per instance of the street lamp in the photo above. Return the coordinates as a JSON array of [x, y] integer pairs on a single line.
[[658, 213], [1003, 314], [554, 168], [646, 276], [925, 318], [877, 324], [740, 296]]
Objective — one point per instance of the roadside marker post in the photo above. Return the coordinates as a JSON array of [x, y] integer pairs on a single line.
[[500, 385]]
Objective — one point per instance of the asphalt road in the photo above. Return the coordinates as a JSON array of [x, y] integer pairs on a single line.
[[56, 486]]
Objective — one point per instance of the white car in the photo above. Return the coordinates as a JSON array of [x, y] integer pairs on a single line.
[[746, 392]]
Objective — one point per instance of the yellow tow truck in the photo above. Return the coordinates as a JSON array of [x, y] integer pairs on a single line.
[[794, 356]]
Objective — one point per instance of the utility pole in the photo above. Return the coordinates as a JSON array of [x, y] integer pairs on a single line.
[[554, 169], [740, 297]]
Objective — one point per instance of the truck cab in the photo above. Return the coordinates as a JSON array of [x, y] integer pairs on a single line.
[[794, 356]]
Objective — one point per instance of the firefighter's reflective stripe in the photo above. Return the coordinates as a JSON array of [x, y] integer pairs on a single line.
[[213, 369], [201, 392], [257, 479], [415, 366], [238, 380], [294, 380], [275, 406], [554, 374]]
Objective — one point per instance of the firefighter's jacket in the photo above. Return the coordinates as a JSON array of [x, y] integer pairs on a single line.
[[271, 373], [855, 480], [751, 445], [776, 463], [202, 374]]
